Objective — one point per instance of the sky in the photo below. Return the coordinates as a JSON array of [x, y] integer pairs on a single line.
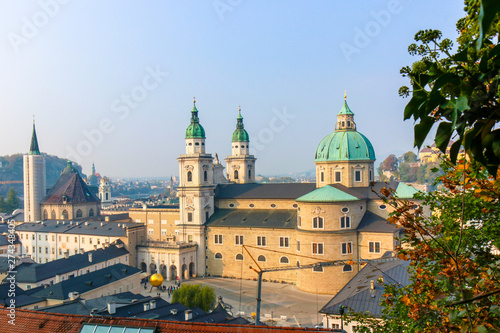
[[112, 82]]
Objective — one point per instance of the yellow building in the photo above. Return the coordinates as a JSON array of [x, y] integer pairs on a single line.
[[338, 218]]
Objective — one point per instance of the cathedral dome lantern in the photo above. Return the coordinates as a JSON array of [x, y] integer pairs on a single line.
[[345, 156], [69, 168], [195, 130], [240, 134]]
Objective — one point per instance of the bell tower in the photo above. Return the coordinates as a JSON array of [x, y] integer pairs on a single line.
[[196, 188], [240, 164], [34, 181]]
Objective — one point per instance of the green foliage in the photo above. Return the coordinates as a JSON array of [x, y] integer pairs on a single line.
[[390, 163], [410, 157], [195, 295], [455, 277], [12, 203], [460, 91]]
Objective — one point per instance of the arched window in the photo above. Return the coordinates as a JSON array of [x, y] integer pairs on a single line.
[[317, 222], [190, 176], [107, 198], [322, 176], [261, 258], [239, 256], [345, 222], [79, 213], [347, 268], [284, 260], [205, 175], [91, 212], [53, 214], [249, 174], [235, 174], [65, 214], [45, 214], [218, 255]]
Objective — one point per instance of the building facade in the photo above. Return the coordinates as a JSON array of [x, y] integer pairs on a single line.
[[224, 225]]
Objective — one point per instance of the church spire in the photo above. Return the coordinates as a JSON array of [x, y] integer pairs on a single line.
[[195, 130], [34, 150], [240, 134]]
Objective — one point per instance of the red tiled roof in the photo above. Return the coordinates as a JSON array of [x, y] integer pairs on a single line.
[[43, 322]]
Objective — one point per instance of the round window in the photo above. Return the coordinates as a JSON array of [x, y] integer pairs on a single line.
[[251, 205], [273, 205], [231, 205], [345, 210], [382, 207], [295, 205]]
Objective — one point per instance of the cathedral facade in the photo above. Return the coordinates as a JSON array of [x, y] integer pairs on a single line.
[[226, 222]]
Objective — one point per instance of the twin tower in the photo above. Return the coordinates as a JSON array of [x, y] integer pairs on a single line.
[[199, 174]]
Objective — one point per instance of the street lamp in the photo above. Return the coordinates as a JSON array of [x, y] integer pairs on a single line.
[[341, 311]]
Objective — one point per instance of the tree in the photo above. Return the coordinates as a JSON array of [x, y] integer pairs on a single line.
[[455, 277], [2, 204], [13, 202], [459, 91], [195, 295], [409, 157], [390, 163]]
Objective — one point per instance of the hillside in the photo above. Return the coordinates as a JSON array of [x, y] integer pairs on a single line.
[[12, 170]]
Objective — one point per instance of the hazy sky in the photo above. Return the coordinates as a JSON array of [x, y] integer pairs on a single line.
[[112, 82]]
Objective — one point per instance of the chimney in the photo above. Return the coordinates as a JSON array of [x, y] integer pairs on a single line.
[[66, 254], [95, 247], [102, 224], [188, 315], [58, 278], [372, 285], [381, 279], [90, 257], [107, 218], [111, 307], [152, 304], [82, 251], [173, 312], [86, 223]]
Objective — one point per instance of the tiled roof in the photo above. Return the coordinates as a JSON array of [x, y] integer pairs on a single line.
[[327, 193], [87, 282], [112, 229], [42, 322], [38, 272], [357, 294], [263, 191], [257, 218], [70, 188], [374, 223]]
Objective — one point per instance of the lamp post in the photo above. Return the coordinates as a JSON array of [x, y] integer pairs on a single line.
[[341, 311]]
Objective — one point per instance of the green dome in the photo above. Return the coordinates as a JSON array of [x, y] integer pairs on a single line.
[[240, 134], [69, 168], [344, 146], [195, 130]]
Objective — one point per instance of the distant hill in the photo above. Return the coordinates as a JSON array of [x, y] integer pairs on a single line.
[[12, 170]]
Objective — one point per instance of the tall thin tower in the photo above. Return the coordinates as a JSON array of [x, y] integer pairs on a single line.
[[34, 181]]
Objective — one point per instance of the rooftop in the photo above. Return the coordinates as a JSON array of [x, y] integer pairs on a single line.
[[254, 218], [38, 272], [42, 322], [87, 282], [358, 295], [111, 229]]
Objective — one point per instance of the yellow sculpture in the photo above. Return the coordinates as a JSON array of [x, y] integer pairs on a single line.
[[156, 280]]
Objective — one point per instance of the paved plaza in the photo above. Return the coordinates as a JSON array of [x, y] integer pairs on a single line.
[[299, 308]]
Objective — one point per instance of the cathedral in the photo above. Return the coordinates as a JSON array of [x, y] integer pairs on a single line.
[[226, 222]]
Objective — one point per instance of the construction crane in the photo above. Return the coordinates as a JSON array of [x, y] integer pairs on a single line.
[[261, 271]]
